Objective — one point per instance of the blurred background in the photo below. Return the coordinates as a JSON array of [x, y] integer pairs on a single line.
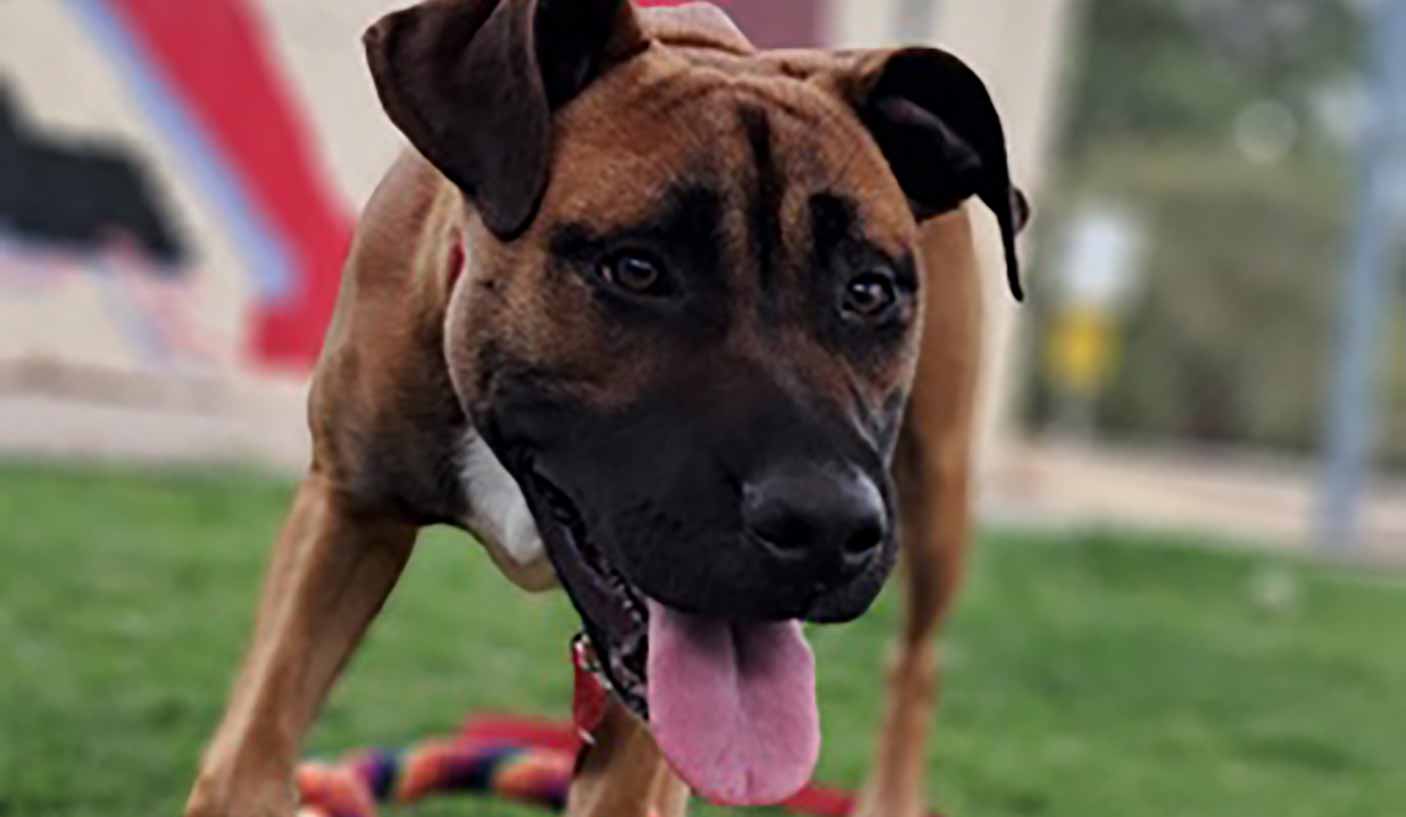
[[1193, 460]]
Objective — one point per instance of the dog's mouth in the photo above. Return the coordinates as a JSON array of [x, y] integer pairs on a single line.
[[613, 610], [730, 703]]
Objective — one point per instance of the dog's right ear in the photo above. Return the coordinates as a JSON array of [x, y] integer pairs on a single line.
[[473, 85]]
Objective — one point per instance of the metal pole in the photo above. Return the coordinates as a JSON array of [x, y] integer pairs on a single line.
[[1352, 413]]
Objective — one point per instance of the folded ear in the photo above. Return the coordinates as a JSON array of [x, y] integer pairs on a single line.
[[473, 85], [937, 126]]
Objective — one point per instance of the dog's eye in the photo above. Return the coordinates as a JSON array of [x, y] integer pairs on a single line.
[[871, 296], [635, 272]]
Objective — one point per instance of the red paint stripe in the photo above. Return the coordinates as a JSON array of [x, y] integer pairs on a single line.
[[214, 54]]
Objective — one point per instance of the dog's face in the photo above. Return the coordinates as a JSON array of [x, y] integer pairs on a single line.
[[732, 292], [691, 317]]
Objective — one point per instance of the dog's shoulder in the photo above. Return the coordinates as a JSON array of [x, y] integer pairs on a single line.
[[394, 283], [382, 362], [397, 241]]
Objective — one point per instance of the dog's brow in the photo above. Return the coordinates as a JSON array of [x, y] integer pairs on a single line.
[[687, 217], [836, 220], [833, 221], [765, 205]]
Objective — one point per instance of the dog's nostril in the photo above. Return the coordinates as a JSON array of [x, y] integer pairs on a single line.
[[865, 539], [785, 532], [829, 516]]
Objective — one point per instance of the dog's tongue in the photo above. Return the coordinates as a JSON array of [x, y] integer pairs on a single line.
[[733, 705]]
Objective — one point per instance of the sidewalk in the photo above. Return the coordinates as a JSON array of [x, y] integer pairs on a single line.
[[1256, 498]]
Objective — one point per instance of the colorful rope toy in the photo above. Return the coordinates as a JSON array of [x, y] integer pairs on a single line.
[[468, 764], [522, 760]]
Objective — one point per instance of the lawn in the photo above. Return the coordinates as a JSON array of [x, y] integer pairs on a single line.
[[1090, 675]]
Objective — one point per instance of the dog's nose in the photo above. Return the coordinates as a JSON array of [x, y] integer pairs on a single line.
[[832, 520]]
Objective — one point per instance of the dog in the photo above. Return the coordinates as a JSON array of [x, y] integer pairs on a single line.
[[688, 329]]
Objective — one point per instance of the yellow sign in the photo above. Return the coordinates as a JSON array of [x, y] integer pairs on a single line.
[[1083, 350]]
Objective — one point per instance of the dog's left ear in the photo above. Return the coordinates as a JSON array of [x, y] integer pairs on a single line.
[[937, 126], [474, 83]]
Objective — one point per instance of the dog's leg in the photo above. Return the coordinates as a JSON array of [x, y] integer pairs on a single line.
[[330, 573], [932, 469], [624, 774]]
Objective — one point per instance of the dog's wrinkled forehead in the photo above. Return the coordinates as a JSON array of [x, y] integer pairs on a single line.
[[691, 122]]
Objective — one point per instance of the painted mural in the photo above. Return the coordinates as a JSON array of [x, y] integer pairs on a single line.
[[76, 205], [165, 197]]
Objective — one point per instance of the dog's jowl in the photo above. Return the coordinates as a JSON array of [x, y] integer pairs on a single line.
[[660, 318]]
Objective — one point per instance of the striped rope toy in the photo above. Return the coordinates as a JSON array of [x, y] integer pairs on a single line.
[[525, 761], [531, 775]]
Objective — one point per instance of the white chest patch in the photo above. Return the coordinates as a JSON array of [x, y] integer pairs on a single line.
[[498, 513]]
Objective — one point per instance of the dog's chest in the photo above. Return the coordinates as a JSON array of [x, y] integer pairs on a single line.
[[498, 514]]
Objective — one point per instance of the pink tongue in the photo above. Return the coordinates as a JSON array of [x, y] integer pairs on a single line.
[[733, 706]]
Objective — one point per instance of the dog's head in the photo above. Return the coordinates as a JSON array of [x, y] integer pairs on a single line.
[[692, 312]]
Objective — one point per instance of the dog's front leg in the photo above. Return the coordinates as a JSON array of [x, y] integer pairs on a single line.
[[934, 546], [331, 571], [932, 469]]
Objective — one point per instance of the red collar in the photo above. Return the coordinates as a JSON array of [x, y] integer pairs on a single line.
[[592, 693]]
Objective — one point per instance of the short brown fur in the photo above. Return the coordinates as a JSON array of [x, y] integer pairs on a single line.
[[404, 367]]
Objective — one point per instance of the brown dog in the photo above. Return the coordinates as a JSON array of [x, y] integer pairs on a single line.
[[645, 312]]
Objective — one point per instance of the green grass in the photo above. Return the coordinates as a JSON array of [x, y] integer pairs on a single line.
[[1089, 676]]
